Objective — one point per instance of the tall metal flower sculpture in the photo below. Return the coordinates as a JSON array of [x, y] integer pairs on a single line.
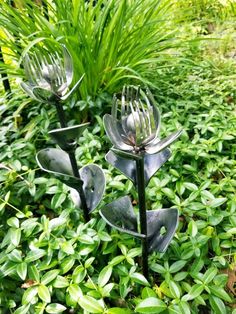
[[138, 152], [49, 74]]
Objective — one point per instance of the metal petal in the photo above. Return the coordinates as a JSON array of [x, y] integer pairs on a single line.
[[73, 89], [128, 166], [93, 184], [120, 215], [112, 131], [28, 89], [57, 162], [66, 137], [157, 145], [156, 219], [68, 64], [43, 95]]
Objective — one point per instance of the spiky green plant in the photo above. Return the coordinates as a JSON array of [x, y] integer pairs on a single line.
[[111, 41]]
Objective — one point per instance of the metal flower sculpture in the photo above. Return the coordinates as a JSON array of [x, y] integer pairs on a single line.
[[138, 152], [49, 75]]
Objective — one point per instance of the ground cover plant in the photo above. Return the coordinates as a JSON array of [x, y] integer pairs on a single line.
[[51, 261]]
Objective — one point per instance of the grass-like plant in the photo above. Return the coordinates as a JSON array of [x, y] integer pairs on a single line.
[[111, 41]]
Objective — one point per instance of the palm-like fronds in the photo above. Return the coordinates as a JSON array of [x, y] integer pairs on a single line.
[[110, 42]]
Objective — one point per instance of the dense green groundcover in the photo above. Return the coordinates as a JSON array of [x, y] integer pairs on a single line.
[[53, 262]]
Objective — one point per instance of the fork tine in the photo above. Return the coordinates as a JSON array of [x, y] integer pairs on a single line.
[[28, 70], [146, 119]]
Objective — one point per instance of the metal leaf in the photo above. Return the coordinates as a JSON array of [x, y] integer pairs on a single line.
[[93, 185], [120, 215], [156, 219], [57, 162], [128, 166], [66, 137]]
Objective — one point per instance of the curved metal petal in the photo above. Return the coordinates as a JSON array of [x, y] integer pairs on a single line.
[[43, 95], [156, 219], [28, 89], [68, 64], [111, 128], [73, 89], [93, 185], [66, 137], [158, 145], [57, 162], [120, 215], [128, 166]]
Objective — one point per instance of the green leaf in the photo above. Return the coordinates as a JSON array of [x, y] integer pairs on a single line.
[[13, 222], [117, 260], [35, 255], [21, 270], [75, 292], [176, 266], [192, 228], [209, 275], [118, 310], [44, 293], [174, 289], [148, 292], [104, 275], [139, 278], [29, 294], [34, 273], [90, 304], [55, 308], [194, 292], [67, 248], [217, 305], [60, 282], [220, 292], [15, 256], [67, 264], [151, 305], [49, 276], [15, 236], [79, 274], [157, 268], [23, 309], [57, 200]]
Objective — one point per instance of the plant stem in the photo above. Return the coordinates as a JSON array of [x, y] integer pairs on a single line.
[[142, 213], [75, 169]]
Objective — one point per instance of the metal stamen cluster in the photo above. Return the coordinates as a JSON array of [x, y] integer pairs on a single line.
[[134, 124], [49, 75]]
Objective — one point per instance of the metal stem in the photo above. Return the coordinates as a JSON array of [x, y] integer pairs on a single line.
[[75, 169], [142, 213]]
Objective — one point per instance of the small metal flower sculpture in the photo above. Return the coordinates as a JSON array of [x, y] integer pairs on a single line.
[[133, 128], [49, 76]]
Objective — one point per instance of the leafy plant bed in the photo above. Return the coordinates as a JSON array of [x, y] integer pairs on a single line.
[[52, 262]]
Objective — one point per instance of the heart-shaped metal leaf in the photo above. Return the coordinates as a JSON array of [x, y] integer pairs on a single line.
[[66, 137], [57, 162], [128, 166], [157, 220], [120, 215], [93, 185]]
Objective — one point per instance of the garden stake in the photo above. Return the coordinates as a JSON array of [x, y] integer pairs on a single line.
[[49, 76], [142, 212], [133, 128]]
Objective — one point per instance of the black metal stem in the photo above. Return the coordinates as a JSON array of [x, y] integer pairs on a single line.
[[75, 169], [142, 213]]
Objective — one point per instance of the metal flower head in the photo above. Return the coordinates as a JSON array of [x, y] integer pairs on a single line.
[[134, 124], [49, 73]]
